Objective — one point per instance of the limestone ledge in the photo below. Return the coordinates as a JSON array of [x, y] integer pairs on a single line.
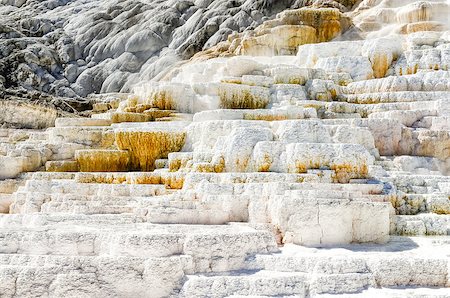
[[25, 115]]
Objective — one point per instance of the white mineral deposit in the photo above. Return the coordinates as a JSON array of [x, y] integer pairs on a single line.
[[215, 148]]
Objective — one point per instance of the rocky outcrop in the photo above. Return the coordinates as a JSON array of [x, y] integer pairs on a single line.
[[24, 115], [74, 48], [276, 163]]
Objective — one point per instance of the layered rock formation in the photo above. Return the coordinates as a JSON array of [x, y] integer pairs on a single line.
[[75, 48], [286, 160]]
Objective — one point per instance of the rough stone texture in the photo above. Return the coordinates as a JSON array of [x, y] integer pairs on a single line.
[[74, 48], [308, 168]]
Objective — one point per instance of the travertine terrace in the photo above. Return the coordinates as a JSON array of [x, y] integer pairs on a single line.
[[308, 156]]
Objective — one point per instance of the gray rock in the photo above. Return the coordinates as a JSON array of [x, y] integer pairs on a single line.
[[71, 72], [86, 42]]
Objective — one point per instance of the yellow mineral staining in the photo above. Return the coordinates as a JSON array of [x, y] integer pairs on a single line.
[[120, 117], [142, 107], [345, 172], [440, 209], [130, 110], [297, 81], [407, 205], [292, 78], [233, 80], [218, 168], [62, 166], [281, 40], [108, 139], [300, 167], [323, 96], [166, 119], [155, 113], [145, 178], [283, 35], [265, 116], [328, 22], [215, 166], [428, 143], [316, 106], [380, 64], [120, 178], [178, 161], [333, 93], [265, 165], [416, 12], [147, 146], [108, 178], [203, 167], [300, 179], [243, 98], [240, 164], [160, 163], [132, 101], [100, 107], [219, 164], [114, 103], [422, 26], [173, 180], [102, 160], [161, 99], [409, 70]]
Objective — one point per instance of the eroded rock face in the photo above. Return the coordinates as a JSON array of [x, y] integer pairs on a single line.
[[277, 163], [24, 115], [146, 147], [74, 48], [284, 34]]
